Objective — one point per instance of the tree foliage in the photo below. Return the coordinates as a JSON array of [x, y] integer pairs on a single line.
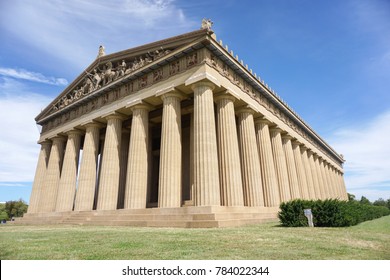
[[364, 200], [3, 213], [15, 208], [351, 197], [380, 202]]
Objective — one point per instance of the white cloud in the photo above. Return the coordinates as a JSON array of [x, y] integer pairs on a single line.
[[367, 152], [32, 76], [72, 30], [19, 133]]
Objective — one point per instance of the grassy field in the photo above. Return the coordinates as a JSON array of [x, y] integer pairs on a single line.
[[369, 240]]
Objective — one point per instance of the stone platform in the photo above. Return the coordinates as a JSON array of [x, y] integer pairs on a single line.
[[183, 217]]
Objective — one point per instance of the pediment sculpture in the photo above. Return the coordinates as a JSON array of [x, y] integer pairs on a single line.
[[106, 73]]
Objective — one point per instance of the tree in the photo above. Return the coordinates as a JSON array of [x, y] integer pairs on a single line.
[[3, 213], [364, 200], [351, 197], [380, 202], [15, 208]]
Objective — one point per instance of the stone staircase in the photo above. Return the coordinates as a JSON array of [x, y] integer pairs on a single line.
[[184, 217]]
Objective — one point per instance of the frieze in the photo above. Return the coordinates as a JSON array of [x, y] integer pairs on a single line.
[[192, 59], [157, 75], [174, 68]]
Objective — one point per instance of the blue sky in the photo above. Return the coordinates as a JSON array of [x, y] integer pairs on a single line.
[[329, 60]]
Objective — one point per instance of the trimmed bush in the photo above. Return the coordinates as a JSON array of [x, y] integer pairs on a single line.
[[329, 213]]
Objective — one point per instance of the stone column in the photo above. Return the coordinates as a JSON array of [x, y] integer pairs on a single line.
[[312, 160], [229, 157], [206, 176], [109, 177], [291, 167], [321, 184], [344, 193], [169, 193], [280, 164], [327, 191], [332, 179], [270, 180], [39, 177], [309, 176], [67, 185], [324, 180], [50, 185], [85, 194], [329, 181], [137, 165], [339, 184], [343, 189], [250, 160], [320, 190], [301, 174]]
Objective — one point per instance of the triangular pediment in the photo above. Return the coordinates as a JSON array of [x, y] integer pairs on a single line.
[[107, 70]]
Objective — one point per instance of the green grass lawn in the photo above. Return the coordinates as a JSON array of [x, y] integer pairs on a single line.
[[369, 240]]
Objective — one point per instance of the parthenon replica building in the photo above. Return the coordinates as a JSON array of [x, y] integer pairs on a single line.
[[175, 133]]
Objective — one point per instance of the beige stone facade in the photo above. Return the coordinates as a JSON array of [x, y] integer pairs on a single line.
[[175, 133]]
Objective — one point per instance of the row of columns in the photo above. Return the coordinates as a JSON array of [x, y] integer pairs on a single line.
[[249, 163]]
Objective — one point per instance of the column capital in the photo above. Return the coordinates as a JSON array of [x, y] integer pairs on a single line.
[[295, 142], [44, 142], [169, 91], [74, 132], [139, 104], [276, 129], [223, 95], [303, 147], [58, 138], [173, 93], [114, 115], [146, 107], [263, 120], [204, 83], [287, 136], [92, 124], [245, 109]]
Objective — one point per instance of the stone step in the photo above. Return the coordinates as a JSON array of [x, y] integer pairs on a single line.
[[207, 216]]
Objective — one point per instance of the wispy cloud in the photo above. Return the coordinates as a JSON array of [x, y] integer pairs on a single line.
[[32, 76], [72, 30], [367, 153], [19, 134], [14, 184]]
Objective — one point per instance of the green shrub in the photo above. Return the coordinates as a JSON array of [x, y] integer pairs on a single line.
[[291, 213], [329, 212]]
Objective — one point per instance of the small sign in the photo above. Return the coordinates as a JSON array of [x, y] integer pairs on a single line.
[[309, 217]]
